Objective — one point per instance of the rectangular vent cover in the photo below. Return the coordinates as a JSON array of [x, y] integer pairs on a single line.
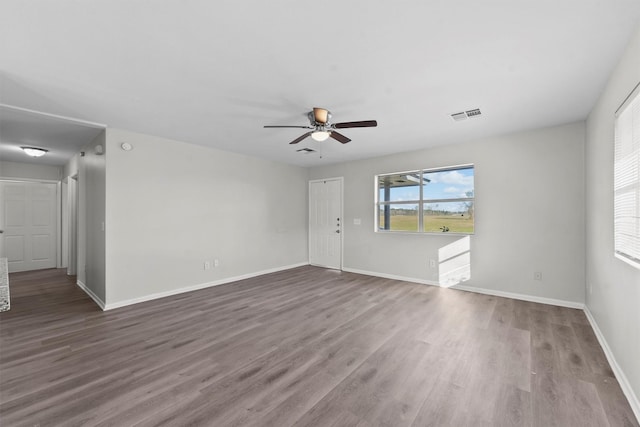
[[463, 115], [458, 116]]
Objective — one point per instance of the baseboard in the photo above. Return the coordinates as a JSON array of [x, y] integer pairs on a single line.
[[522, 297], [93, 296], [391, 276], [620, 376], [118, 304]]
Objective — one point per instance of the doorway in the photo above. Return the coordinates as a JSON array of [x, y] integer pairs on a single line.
[[28, 220], [325, 223]]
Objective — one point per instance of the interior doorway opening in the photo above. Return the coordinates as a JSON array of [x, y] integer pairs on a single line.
[[29, 212]]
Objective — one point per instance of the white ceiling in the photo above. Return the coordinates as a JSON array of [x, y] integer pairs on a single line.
[[214, 72], [62, 137]]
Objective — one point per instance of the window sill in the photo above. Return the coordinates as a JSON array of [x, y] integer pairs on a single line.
[[624, 259], [428, 233]]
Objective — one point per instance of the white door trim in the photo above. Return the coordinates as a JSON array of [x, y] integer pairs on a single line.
[[340, 179], [58, 224], [44, 181], [57, 211], [59, 208], [72, 228]]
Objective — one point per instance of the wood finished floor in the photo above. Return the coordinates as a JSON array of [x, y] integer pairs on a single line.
[[304, 347]]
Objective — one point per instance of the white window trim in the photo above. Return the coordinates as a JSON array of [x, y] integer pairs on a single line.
[[421, 202], [626, 180]]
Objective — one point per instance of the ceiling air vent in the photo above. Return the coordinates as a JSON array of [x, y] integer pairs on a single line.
[[458, 116], [463, 115], [306, 150]]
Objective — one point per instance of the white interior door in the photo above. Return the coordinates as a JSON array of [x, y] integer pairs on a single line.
[[29, 225], [325, 223]]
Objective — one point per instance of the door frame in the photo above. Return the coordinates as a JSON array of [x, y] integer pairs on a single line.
[[340, 179], [58, 209], [69, 224], [72, 268]]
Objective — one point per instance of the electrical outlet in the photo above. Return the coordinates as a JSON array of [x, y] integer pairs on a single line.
[[207, 265], [432, 263], [216, 262], [537, 275]]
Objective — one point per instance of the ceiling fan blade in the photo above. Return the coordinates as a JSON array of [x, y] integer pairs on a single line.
[[339, 137], [295, 141], [360, 124], [320, 115], [285, 126]]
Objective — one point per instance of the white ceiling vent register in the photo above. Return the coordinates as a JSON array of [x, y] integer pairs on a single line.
[[466, 115]]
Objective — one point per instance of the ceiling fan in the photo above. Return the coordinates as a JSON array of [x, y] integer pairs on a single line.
[[322, 128]]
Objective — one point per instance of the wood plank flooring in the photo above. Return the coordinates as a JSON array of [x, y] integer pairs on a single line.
[[303, 347]]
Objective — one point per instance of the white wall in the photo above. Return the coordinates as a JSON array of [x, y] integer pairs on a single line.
[[70, 209], [171, 206], [30, 171], [529, 214], [613, 287], [91, 214], [71, 168]]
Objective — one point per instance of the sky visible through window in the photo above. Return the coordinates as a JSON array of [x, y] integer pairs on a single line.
[[451, 184]]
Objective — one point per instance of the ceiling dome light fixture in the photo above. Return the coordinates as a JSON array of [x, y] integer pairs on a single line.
[[34, 151], [320, 135]]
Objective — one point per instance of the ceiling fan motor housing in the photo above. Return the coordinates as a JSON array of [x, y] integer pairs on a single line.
[[319, 117]]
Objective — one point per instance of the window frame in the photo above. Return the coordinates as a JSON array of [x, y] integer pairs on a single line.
[[422, 201], [626, 246]]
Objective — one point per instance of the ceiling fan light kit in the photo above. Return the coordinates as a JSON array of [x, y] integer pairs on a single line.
[[322, 128], [320, 135]]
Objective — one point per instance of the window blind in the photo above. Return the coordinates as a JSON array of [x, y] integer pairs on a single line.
[[627, 179]]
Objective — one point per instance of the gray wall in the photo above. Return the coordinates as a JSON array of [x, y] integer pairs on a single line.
[[71, 168], [91, 214], [171, 206], [18, 170], [613, 287], [529, 214]]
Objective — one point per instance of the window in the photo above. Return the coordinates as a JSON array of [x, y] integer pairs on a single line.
[[426, 201], [627, 180]]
